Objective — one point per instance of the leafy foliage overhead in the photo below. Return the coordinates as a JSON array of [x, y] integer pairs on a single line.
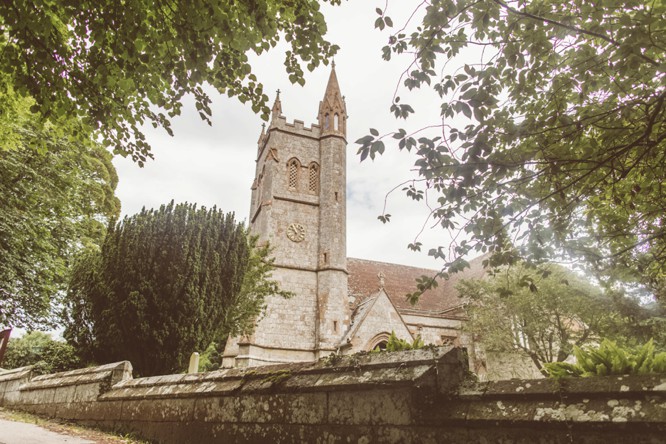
[[552, 132], [119, 65], [166, 283], [56, 196]]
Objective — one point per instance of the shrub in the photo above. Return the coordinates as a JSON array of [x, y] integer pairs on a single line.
[[396, 344], [39, 349], [610, 359]]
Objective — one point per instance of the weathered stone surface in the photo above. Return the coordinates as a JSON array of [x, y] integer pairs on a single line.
[[16, 373], [159, 410], [217, 409], [372, 407], [66, 394], [392, 398], [44, 396], [10, 382], [109, 410], [39, 409], [104, 376]]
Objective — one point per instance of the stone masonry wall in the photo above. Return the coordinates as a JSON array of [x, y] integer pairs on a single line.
[[409, 397], [290, 323], [382, 317]]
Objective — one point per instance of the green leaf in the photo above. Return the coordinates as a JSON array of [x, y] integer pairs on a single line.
[[466, 110], [377, 147]]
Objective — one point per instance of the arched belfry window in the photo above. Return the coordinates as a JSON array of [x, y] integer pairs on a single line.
[[293, 167], [336, 122], [313, 178], [327, 121]]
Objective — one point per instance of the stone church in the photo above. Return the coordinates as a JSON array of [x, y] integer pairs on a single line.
[[340, 304]]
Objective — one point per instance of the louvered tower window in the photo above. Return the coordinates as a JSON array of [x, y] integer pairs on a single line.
[[313, 179], [292, 172]]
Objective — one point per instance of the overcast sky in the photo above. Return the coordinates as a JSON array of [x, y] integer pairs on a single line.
[[214, 165]]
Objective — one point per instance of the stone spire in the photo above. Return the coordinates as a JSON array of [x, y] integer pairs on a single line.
[[277, 109], [332, 110]]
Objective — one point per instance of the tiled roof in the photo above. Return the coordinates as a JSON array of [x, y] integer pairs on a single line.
[[400, 280]]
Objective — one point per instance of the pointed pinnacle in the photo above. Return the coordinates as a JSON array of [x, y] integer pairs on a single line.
[[277, 106]]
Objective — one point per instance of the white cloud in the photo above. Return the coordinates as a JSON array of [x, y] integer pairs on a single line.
[[215, 165]]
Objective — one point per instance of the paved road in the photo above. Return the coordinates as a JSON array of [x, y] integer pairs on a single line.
[[21, 433]]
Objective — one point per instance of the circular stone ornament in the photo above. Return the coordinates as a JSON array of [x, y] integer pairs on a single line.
[[296, 232]]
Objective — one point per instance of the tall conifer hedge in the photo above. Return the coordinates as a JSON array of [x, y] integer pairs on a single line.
[[166, 283]]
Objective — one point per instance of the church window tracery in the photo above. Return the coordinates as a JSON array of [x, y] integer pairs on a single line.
[[313, 178], [293, 167]]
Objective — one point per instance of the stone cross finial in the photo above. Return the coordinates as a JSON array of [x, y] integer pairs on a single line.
[[381, 277], [277, 109]]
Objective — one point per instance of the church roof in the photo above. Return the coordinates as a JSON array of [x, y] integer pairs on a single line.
[[400, 280]]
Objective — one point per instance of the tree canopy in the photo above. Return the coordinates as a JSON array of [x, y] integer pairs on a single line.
[[551, 137], [119, 65], [41, 350], [56, 197], [543, 318], [166, 283]]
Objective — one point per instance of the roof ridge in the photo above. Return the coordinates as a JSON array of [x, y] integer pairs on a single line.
[[392, 264]]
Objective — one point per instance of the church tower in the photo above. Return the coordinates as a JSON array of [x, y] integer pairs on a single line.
[[299, 207]]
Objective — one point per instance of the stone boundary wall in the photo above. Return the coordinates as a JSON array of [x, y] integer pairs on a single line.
[[10, 381], [421, 396]]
